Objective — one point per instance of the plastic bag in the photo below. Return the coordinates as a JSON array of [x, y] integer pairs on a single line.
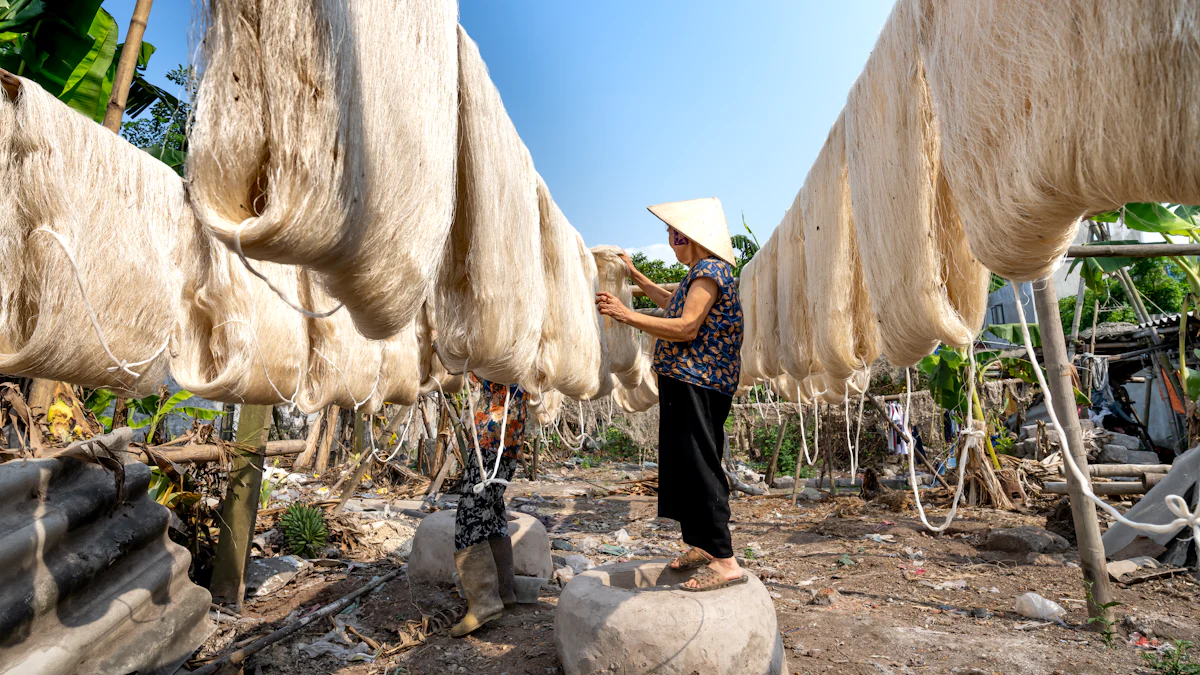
[[1035, 606]]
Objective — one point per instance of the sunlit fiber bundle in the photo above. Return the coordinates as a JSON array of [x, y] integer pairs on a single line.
[[844, 331], [766, 306], [344, 368], [640, 398], [236, 341], [490, 308], [595, 329], [623, 342], [1032, 137], [789, 389], [12, 231], [83, 193], [434, 375], [794, 323], [914, 254], [400, 368], [748, 291], [545, 409], [326, 135], [569, 353]]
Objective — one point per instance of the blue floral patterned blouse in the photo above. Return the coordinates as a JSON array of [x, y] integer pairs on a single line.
[[711, 360]]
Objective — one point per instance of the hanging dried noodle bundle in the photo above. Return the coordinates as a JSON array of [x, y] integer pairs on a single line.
[[925, 286], [344, 368], [545, 410], [624, 351], [794, 323], [594, 328], [569, 354], [844, 331], [490, 310], [236, 341], [748, 290], [1031, 136], [77, 186], [766, 304], [302, 150]]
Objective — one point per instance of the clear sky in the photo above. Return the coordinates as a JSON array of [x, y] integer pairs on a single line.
[[627, 103]]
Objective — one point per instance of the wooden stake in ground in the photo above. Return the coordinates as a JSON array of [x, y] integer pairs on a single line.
[[775, 455], [115, 111], [331, 431], [307, 457], [239, 509], [365, 457], [1083, 511]]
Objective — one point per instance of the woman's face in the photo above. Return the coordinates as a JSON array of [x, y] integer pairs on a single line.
[[684, 248]]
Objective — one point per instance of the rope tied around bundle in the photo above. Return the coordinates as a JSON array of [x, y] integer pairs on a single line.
[[120, 364]]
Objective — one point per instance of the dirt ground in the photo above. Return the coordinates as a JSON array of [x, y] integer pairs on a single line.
[[915, 603]]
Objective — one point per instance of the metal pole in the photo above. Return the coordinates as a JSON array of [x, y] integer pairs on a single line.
[[1083, 511]]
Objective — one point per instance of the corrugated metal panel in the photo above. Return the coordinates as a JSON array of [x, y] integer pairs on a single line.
[[89, 585]]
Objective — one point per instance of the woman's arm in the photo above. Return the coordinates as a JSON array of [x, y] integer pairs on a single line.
[[657, 294], [702, 294]]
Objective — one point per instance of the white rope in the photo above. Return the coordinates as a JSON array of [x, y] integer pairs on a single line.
[[487, 480], [237, 248], [804, 437], [971, 437], [346, 383], [1175, 503], [849, 439], [858, 433], [121, 364]]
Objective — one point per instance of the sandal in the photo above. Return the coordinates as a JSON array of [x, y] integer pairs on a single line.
[[693, 559], [709, 580]]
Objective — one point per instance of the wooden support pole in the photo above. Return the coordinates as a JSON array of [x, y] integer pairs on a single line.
[[537, 448], [775, 455], [1133, 251], [331, 431], [364, 460], [115, 111], [239, 509], [1083, 511], [309, 455]]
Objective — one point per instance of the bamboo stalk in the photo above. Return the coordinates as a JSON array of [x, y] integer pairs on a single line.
[[115, 111]]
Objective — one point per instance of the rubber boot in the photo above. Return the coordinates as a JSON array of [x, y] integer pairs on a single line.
[[477, 573], [502, 553]]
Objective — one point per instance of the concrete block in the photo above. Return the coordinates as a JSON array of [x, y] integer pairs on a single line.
[[1117, 454], [631, 618], [432, 558], [1127, 442]]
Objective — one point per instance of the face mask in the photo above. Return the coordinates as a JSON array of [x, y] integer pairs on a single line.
[[678, 239]]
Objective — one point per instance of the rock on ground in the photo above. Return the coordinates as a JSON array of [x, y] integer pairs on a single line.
[[1116, 454], [1026, 539]]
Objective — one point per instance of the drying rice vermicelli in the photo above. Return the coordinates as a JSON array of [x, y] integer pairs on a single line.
[[79, 187], [748, 289], [766, 308], [924, 284], [624, 350], [490, 309], [1050, 111], [795, 326], [344, 368], [844, 331], [325, 135]]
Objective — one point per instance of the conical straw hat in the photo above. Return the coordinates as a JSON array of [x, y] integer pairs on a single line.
[[702, 221]]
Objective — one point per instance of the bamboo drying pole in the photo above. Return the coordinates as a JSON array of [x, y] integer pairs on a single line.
[[1083, 511], [239, 509], [115, 111], [775, 455]]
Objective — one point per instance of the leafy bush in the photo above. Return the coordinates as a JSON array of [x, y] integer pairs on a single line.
[[304, 530]]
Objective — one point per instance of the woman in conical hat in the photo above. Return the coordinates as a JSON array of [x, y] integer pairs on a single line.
[[697, 362]]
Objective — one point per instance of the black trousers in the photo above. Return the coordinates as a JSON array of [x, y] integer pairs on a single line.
[[692, 487]]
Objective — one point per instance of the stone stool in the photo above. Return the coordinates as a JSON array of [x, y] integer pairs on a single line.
[[629, 618], [432, 559]]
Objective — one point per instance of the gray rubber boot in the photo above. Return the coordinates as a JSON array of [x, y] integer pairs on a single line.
[[502, 553], [477, 573]]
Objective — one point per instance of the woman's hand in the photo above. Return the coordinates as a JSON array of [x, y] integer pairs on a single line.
[[629, 264], [610, 306]]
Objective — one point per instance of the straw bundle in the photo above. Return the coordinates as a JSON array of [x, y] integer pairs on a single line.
[[490, 310], [236, 341], [570, 352], [766, 309], [81, 188], [623, 345], [1031, 136], [344, 368], [302, 148], [844, 331], [748, 288], [914, 253], [794, 323]]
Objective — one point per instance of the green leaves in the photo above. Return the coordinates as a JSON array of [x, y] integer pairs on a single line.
[[17, 16], [1094, 269], [1011, 332], [154, 410], [1151, 217], [169, 156]]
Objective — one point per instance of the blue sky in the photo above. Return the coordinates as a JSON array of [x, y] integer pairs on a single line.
[[627, 103]]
